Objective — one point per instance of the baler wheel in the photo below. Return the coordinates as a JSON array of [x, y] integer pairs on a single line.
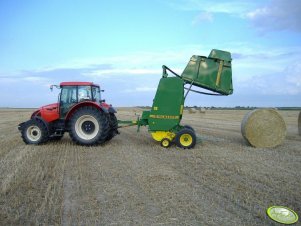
[[165, 142], [89, 126], [185, 138], [34, 132], [189, 127]]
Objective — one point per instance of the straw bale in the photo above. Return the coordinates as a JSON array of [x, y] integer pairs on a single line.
[[263, 128], [192, 110], [299, 123], [202, 110]]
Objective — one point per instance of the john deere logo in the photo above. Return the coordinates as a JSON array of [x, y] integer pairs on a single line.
[[164, 116], [282, 214]]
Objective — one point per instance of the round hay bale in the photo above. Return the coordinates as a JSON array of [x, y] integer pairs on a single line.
[[202, 110], [299, 123], [192, 110], [263, 128]]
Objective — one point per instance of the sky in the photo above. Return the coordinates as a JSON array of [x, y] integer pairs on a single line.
[[122, 45]]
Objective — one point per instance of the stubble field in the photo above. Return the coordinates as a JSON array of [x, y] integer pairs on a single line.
[[132, 180]]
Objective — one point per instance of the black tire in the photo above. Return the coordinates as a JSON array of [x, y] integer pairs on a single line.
[[88, 126], [185, 138], [113, 126], [189, 127], [34, 131]]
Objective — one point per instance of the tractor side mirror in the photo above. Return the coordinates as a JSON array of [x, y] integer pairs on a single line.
[[56, 86]]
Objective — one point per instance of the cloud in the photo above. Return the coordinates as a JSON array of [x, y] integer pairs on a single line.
[[286, 82], [141, 89], [254, 68], [202, 17], [108, 73], [34, 79], [293, 77], [228, 7], [277, 15], [74, 65], [259, 75], [263, 76]]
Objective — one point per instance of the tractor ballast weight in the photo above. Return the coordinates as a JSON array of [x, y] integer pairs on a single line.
[[163, 120]]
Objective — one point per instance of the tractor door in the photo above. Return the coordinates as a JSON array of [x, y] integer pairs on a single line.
[[68, 99]]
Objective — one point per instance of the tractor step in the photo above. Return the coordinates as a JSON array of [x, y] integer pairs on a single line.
[[58, 132]]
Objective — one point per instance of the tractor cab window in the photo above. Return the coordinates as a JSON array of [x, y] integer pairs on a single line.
[[96, 94], [71, 95], [84, 93], [68, 95], [68, 99]]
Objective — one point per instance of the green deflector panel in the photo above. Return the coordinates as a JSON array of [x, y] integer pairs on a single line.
[[167, 108], [213, 73]]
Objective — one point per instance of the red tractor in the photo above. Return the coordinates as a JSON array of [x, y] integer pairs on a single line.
[[79, 111]]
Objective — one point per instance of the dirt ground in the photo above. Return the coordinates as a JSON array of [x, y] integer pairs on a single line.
[[132, 180]]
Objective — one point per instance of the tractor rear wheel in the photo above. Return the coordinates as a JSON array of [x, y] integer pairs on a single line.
[[34, 132], [88, 126], [185, 138], [113, 126]]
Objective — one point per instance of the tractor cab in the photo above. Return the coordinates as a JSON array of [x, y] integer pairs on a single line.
[[73, 93]]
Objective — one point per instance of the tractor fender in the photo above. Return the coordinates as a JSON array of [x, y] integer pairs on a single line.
[[84, 104], [108, 108], [35, 113], [112, 110], [104, 109], [20, 126], [38, 118]]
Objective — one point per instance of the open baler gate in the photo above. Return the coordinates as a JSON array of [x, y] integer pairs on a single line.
[[213, 73]]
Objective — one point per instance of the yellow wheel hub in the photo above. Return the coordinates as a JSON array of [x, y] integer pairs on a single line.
[[186, 139], [165, 143]]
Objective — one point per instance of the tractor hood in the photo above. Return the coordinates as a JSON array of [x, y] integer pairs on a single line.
[[48, 112], [49, 107]]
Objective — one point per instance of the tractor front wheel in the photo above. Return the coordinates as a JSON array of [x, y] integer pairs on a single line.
[[89, 126], [185, 138], [34, 132]]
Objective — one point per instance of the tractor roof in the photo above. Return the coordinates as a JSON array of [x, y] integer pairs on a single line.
[[77, 84]]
